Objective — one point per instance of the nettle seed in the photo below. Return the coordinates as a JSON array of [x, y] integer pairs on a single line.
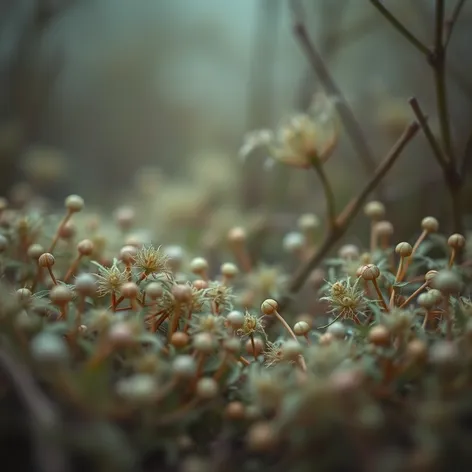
[[46, 260]]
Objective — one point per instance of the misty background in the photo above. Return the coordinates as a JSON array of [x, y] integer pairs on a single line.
[[95, 93]]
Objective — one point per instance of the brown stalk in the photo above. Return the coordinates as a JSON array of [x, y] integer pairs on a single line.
[[330, 87], [346, 217]]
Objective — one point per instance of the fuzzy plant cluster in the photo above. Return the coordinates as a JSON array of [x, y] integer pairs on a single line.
[[145, 360]]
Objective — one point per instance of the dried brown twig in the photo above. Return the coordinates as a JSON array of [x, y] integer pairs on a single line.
[[345, 218], [436, 58], [330, 87]]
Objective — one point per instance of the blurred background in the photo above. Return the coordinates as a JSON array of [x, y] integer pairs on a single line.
[[149, 100]]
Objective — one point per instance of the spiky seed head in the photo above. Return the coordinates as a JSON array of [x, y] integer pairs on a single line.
[[430, 224]]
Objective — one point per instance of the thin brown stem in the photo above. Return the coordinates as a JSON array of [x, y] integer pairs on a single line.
[[330, 87], [451, 22], [379, 293], [348, 214]]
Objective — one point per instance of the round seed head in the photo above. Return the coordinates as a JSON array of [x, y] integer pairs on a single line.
[[200, 284], [229, 270], [236, 319], [154, 290], [430, 224], [436, 295], [291, 349], [85, 247], [379, 335], [326, 339], [204, 343], [24, 295], [447, 282], [349, 251], [67, 231], [179, 339], [235, 410], [430, 275], [374, 210], [417, 350], [369, 272], [129, 290], [182, 293], [184, 366], [124, 217], [35, 251], [404, 249], [46, 260], [232, 345], [199, 265], [456, 241], [425, 300], [121, 334], [293, 242], [443, 353], [128, 253], [257, 349], [384, 228], [207, 388], [86, 284], [301, 328], [269, 306], [60, 294], [49, 348], [261, 436], [308, 222], [337, 329], [237, 235], [74, 203]]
